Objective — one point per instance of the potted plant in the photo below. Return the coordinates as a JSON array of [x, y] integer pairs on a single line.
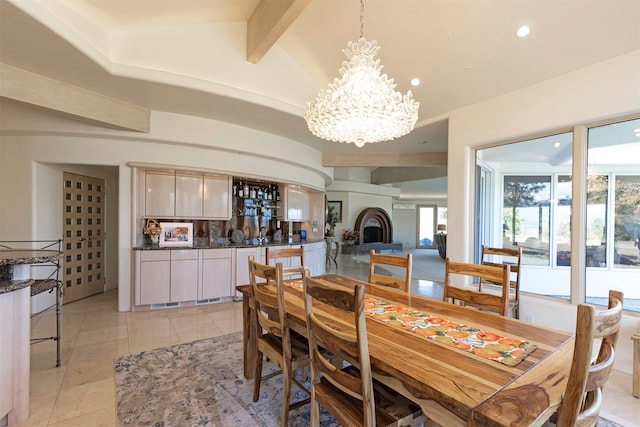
[[332, 220], [350, 236]]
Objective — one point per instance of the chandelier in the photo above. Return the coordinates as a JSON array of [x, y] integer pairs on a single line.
[[362, 106]]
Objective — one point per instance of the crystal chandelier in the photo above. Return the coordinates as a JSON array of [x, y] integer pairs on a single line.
[[362, 106]]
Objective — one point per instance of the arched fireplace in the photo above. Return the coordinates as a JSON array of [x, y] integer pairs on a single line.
[[376, 232], [375, 226]]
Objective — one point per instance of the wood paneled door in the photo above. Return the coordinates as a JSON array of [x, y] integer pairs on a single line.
[[83, 228]]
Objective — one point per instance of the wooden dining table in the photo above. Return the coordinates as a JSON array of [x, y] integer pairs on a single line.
[[454, 387]]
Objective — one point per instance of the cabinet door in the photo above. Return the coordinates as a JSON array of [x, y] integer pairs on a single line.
[[155, 282], [217, 197], [189, 191], [314, 258], [304, 204], [184, 275], [293, 204], [298, 204], [160, 194], [242, 264], [216, 278]]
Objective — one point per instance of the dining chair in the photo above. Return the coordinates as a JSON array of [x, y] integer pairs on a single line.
[[513, 257], [404, 262], [492, 301], [349, 394], [295, 256], [274, 340], [583, 395]]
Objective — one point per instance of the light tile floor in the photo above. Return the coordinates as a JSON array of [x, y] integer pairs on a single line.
[[81, 392]]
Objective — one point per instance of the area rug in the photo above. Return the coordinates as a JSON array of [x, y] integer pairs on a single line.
[[201, 383]]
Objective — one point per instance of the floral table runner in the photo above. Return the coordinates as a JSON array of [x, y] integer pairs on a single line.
[[483, 343]]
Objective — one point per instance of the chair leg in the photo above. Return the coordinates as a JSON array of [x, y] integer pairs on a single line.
[[257, 377], [315, 410], [286, 394]]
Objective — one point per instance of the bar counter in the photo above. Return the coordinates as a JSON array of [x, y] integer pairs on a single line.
[[15, 329]]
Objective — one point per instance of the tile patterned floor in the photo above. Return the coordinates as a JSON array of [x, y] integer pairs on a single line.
[[81, 391]]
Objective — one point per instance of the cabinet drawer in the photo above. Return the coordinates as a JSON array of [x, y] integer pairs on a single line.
[[180, 254], [155, 255], [216, 253]]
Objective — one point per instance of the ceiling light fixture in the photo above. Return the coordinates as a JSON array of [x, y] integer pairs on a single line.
[[523, 31], [362, 106]]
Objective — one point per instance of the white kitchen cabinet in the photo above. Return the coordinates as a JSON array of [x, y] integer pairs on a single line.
[[189, 194], [166, 276], [217, 266], [170, 194], [217, 197], [153, 280], [297, 203], [160, 194], [242, 264], [184, 275], [315, 257]]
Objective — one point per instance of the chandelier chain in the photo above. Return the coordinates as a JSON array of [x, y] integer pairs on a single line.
[[361, 18]]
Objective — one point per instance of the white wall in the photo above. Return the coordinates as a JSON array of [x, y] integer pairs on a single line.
[[601, 91], [47, 198], [357, 196], [31, 139], [405, 221]]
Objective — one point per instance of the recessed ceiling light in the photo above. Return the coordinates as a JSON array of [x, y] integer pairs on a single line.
[[556, 145], [523, 31], [415, 81]]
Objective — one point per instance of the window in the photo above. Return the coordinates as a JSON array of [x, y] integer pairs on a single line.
[[613, 212], [527, 217], [525, 200], [626, 232]]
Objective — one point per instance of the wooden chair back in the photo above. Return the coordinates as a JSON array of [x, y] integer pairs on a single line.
[[274, 340], [405, 262], [513, 257], [583, 396], [270, 310], [344, 342], [498, 275], [295, 257], [350, 394]]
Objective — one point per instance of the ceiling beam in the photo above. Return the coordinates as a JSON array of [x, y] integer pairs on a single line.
[[71, 101], [394, 175], [384, 159], [269, 21]]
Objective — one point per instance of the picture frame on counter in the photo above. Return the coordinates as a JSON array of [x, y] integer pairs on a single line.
[[176, 234]]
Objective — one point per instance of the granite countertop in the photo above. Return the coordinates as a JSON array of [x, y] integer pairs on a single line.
[[225, 245], [7, 286], [28, 256]]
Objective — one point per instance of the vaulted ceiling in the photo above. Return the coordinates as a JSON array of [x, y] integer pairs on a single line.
[[257, 63]]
